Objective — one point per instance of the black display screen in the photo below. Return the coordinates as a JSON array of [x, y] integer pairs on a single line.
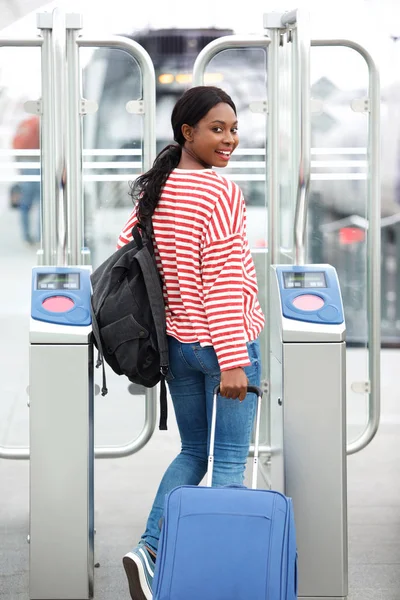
[[58, 281], [308, 279]]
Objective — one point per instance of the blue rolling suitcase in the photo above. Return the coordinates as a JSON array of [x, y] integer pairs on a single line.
[[228, 543]]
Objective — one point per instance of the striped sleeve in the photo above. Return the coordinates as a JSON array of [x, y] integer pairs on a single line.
[[223, 279], [126, 234]]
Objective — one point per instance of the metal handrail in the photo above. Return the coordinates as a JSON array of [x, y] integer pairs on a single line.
[[350, 221], [301, 105], [226, 42], [14, 453], [229, 42], [135, 445], [21, 42], [391, 220], [373, 244], [149, 87], [139, 54], [150, 419], [43, 42], [149, 152]]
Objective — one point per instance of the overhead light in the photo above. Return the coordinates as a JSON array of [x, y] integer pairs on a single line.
[[213, 77], [184, 78], [166, 78]]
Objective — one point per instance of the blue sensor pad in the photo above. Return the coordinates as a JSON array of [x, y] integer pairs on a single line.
[[319, 284], [61, 295]]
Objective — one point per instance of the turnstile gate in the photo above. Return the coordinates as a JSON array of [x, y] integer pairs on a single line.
[[308, 421], [61, 521]]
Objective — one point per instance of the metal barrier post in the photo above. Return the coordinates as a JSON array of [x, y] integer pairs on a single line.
[[73, 166], [301, 107], [305, 353], [373, 244], [61, 498], [147, 107], [53, 140], [64, 241]]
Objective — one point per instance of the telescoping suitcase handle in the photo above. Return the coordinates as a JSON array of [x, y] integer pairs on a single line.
[[250, 389]]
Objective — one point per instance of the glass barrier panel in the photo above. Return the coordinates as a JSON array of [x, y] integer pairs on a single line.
[[19, 232], [112, 158], [113, 137], [337, 225], [242, 73]]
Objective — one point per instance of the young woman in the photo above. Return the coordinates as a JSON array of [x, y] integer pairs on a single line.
[[210, 290]]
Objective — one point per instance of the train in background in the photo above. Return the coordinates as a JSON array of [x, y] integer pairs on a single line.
[[337, 216]]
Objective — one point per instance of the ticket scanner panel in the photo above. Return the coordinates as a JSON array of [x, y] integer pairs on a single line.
[[308, 420], [61, 435]]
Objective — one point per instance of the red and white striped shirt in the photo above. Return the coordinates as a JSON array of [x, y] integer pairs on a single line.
[[202, 252]]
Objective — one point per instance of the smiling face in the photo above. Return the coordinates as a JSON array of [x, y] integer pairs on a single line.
[[212, 140]]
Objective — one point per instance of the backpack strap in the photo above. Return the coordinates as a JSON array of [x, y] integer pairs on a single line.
[[163, 404], [154, 292], [100, 358], [136, 235], [137, 238]]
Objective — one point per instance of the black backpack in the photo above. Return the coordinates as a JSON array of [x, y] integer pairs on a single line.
[[128, 316]]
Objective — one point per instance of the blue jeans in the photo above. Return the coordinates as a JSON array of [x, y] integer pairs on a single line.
[[194, 373], [29, 198]]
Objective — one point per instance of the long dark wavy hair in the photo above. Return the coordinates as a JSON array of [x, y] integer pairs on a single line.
[[189, 109]]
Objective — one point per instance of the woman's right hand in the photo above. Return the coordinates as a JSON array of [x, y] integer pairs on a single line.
[[234, 384]]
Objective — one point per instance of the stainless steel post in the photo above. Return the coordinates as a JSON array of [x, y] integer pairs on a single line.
[[308, 439], [73, 170], [47, 144], [61, 522], [301, 106], [61, 469]]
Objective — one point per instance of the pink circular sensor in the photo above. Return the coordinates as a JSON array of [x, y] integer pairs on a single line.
[[308, 302], [58, 304]]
